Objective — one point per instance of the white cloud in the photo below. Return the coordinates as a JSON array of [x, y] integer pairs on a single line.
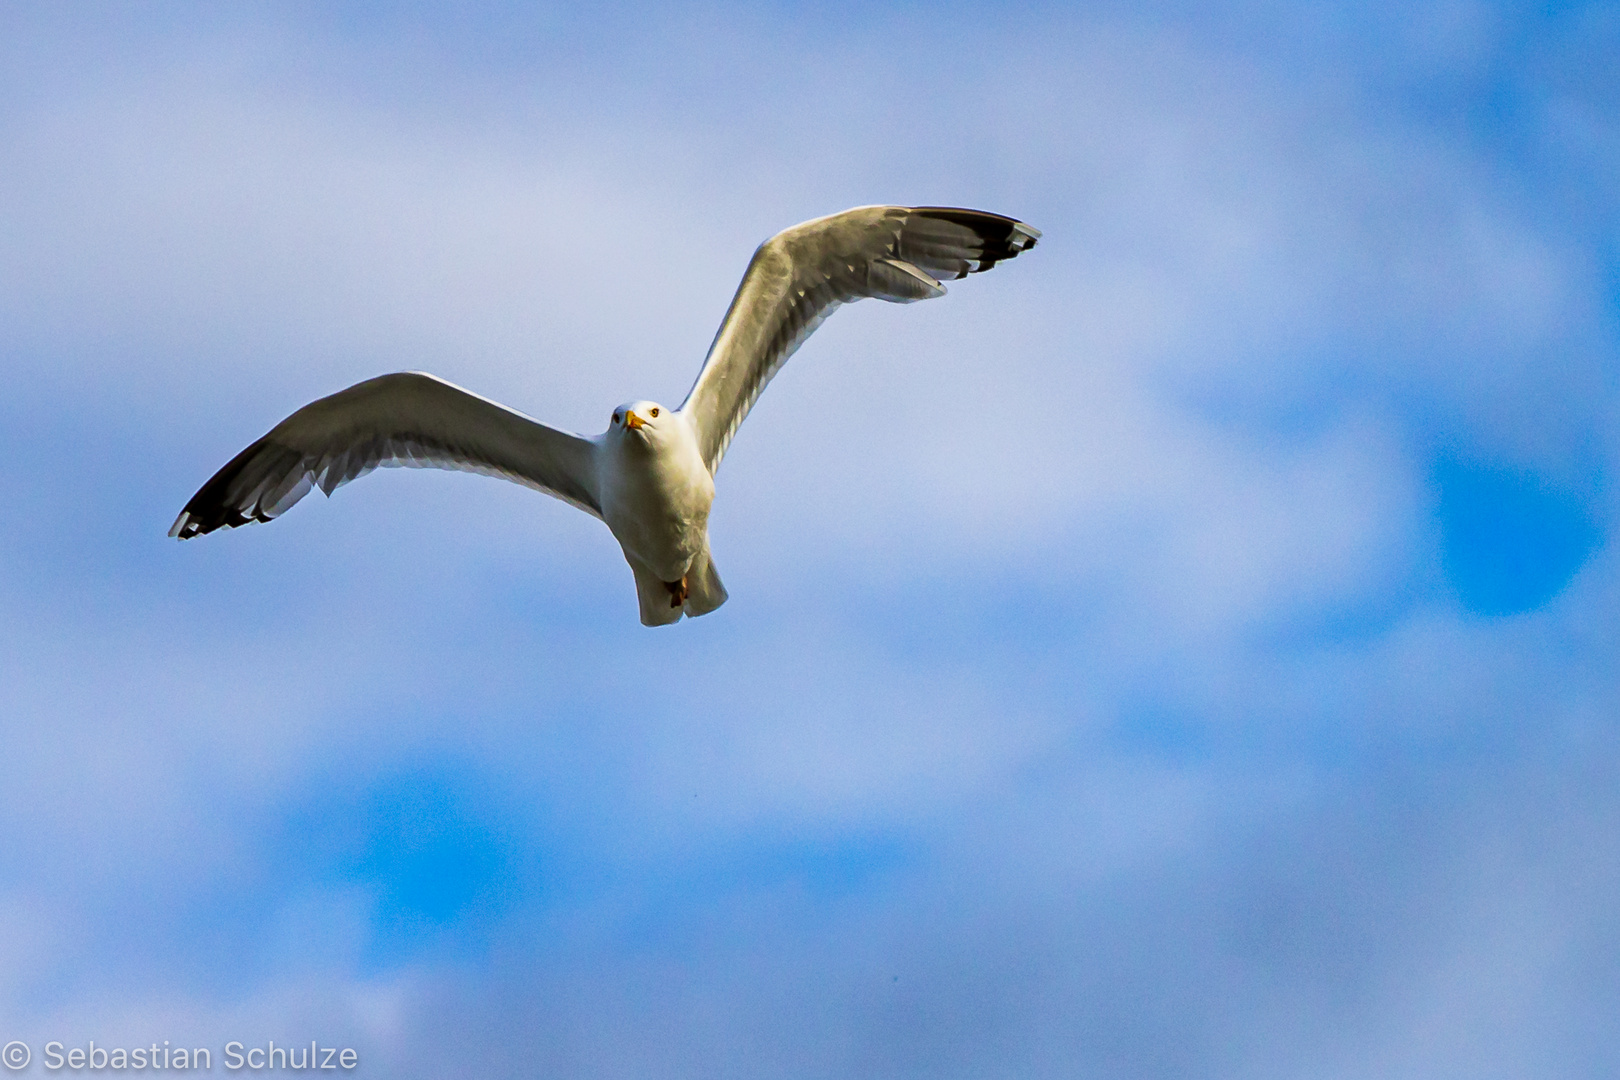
[[1037, 584]]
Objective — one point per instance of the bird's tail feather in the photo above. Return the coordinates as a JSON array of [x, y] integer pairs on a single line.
[[658, 604], [704, 591], [653, 595]]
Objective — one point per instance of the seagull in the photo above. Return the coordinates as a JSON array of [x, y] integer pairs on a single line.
[[650, 475]]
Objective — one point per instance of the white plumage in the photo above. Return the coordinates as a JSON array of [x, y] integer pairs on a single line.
[[650, 475]]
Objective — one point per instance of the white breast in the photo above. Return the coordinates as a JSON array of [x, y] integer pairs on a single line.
[[656, 494]]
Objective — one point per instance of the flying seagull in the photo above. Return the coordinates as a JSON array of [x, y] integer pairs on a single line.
[[650, 475]]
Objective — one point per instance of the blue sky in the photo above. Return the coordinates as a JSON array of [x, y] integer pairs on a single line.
[[1185, 651]]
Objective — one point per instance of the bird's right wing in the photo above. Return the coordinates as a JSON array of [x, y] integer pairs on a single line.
[[402, 419], [799, 276]]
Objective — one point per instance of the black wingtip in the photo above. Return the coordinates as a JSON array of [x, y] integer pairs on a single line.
[[1003, 237], [220, 503], [195, 520]]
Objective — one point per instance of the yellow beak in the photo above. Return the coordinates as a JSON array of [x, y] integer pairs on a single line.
[[632, 421]]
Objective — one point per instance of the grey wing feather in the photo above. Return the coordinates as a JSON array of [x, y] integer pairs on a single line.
[[409, 419], [801, 275]]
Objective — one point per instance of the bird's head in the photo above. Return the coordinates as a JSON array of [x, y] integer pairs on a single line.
[[643, 420]]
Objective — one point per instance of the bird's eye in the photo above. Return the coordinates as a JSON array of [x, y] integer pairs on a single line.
[[655, 412], [615, 418]]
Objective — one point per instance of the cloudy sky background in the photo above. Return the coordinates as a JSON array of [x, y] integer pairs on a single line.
[[1185, 651]]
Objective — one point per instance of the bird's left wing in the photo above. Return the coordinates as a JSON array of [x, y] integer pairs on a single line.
[[799, 276], [403, 419]]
